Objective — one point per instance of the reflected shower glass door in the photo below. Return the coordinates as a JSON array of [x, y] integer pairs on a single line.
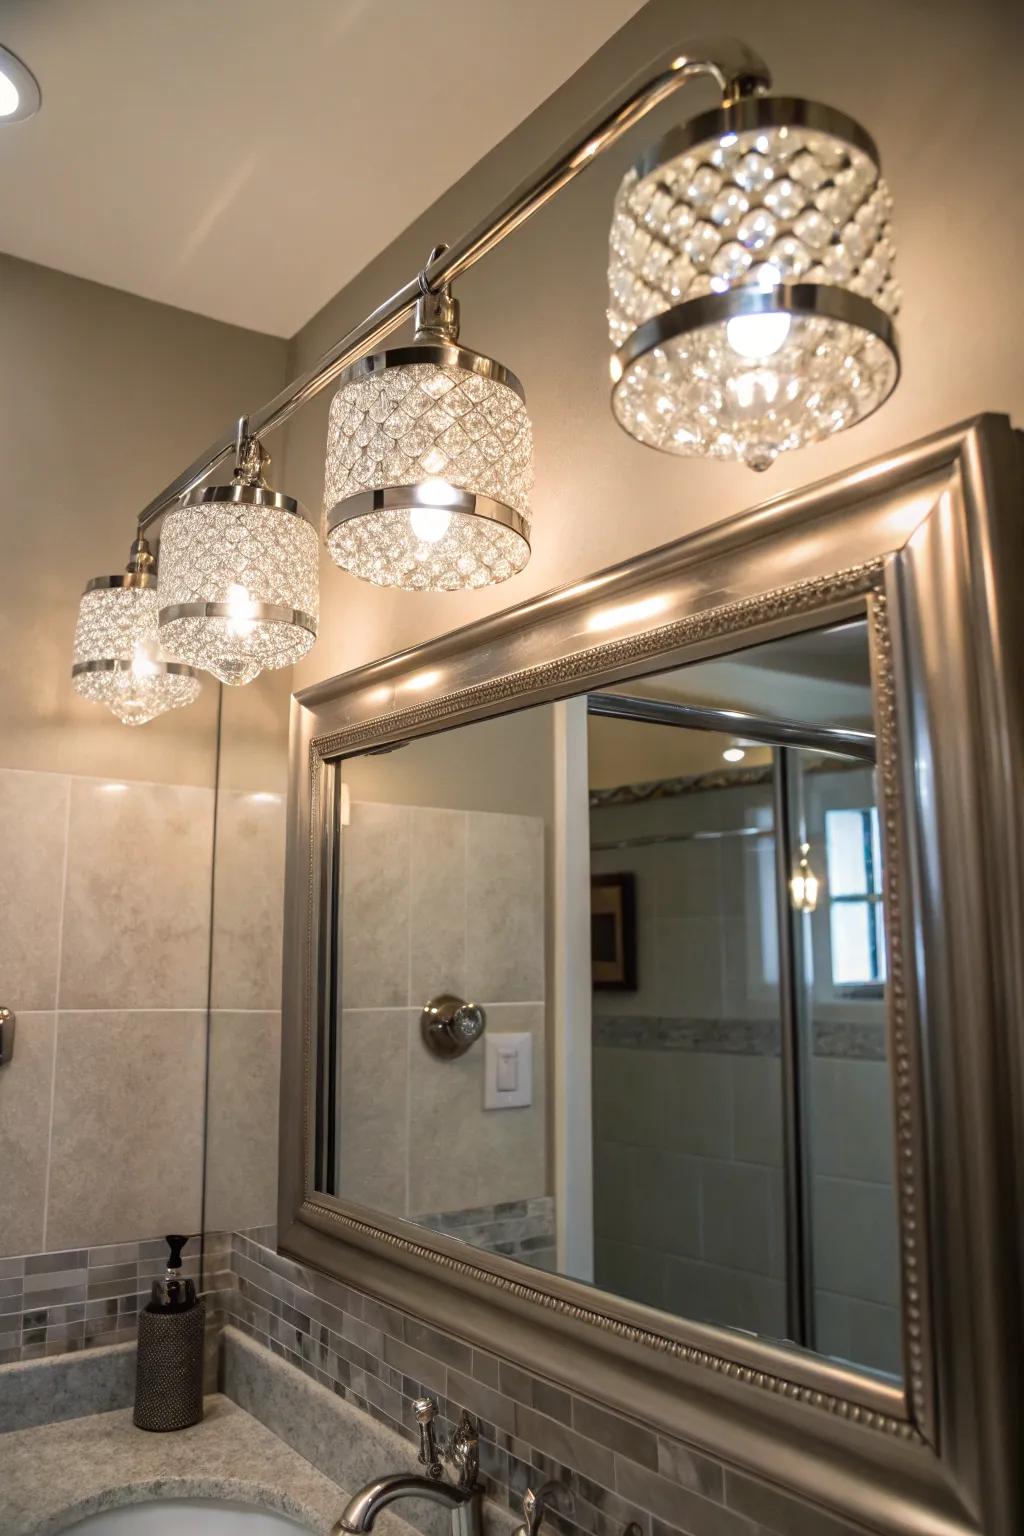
[[689, 1202]]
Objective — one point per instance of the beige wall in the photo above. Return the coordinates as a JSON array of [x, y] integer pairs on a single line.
[[936, 85], [106, 397]]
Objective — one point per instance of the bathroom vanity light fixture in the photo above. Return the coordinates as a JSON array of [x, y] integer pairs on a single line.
[[239, 574], [751, 294], [429, 461], [751, 308], [118, 658], [734, 754], [803, 885]]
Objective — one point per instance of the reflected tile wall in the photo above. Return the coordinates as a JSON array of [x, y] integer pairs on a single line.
[[103, 958], [438, 901], [688, 1096], [109, 932]]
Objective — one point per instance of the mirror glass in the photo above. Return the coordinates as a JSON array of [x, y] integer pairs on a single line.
[[608, 994]]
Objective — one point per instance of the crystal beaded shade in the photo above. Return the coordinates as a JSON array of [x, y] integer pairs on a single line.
[[238, 581], [775, 197], [429, 471], [117, 657]]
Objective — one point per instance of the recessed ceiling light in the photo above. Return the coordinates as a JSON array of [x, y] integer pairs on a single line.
[[734, 754], [20, 96]]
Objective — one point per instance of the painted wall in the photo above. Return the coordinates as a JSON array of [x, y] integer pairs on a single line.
[[104, 398], [937, 88]]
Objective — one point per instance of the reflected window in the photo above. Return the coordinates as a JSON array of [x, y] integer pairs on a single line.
[[856, 924]]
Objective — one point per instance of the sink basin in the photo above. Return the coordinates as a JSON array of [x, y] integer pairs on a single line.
[[199, 1517]]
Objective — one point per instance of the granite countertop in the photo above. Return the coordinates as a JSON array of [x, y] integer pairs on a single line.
[[55, 1474]]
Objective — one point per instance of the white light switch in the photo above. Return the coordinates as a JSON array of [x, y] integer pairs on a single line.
[[508, 1071]]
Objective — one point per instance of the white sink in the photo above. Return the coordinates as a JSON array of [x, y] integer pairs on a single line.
[[187, 1517]]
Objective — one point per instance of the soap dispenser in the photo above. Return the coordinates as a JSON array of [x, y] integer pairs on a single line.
[[169, 1364]]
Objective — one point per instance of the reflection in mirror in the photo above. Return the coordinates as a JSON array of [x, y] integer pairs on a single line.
[[718, 830]]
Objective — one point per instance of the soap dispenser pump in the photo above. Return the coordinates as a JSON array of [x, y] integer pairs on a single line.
[[169, 1364]]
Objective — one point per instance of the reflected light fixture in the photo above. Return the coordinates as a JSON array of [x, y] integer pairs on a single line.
[[803, 886], [118, 658], [734, 754], [239, 585], [19, 89], [751, 295], [429, 462]]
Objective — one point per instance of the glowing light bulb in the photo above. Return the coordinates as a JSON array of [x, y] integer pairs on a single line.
[[143, 663], [240, 618], [757, 336], [430, 523], [734, 754], [10, 97], [803, 885]]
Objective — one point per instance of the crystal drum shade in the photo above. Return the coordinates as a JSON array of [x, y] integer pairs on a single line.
[[238, 581], [118, 660], [772, 197], [429, 470]]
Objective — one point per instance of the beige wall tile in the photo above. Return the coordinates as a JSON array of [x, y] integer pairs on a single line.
[[33, 825], [375, 907], [475, 1156], [505, 908], [437, 903], [25, 1085], [241, 1116], [374, 1129], [248, 901], [137, 903], [126, 1156]]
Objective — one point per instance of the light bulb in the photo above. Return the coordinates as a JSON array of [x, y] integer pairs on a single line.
[[10, 97], [734, 754], [430, 523], [240, 620], [143, 660], [757, 336], [803, 884]]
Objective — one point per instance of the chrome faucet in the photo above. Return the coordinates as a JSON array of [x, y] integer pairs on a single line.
[[462, 1497]]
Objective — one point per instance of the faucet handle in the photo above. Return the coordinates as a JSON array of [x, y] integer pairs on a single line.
[[425, 1410], [535, 1503], [463, 1451]]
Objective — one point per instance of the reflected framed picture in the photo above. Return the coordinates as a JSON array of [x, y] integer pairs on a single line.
[[613, 932]]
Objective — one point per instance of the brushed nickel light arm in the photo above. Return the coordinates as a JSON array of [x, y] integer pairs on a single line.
[[736, 69]]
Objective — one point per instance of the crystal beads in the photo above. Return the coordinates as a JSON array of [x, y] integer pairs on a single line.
[[763, 195], [694, 394], [429, 471], [238, 581], [118, 660]]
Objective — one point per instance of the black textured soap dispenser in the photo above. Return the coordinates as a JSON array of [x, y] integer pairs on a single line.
[[169, 1365]]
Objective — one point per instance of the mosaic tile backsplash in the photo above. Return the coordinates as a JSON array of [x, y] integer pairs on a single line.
[[614, 1470]]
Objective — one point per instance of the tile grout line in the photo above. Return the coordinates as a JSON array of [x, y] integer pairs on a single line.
[[56, 1012]]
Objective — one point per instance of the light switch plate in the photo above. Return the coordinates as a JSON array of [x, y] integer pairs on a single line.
[[508, 1059]]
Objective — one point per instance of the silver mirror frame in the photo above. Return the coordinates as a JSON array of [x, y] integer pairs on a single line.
[[927, 543]]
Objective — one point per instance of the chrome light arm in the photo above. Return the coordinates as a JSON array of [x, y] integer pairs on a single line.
[[735, 68]]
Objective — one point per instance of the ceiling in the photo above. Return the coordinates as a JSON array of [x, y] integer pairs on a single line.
[[246, 158]]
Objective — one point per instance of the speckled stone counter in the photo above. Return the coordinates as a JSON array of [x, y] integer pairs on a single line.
[[55, 1474]]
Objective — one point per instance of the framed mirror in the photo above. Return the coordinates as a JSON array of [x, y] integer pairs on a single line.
[[632, 936]]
